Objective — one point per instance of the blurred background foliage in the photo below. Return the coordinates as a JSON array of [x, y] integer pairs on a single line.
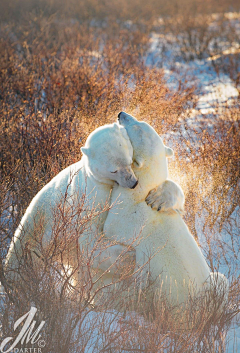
[[68, 67]]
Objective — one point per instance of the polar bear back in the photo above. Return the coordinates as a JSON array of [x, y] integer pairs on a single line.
[[43, 203], [107, 157]]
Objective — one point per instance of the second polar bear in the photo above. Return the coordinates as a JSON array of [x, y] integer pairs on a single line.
[[176, 265]]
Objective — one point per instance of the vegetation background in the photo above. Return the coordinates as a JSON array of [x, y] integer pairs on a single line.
[[69, 67]]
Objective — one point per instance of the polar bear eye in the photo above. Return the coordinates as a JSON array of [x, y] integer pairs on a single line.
[[138, 163], [114, 172]]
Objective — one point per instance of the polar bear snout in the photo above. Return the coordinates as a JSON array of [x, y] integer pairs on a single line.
[[119, 116], [124, 118], [133, 187], [127, 178]]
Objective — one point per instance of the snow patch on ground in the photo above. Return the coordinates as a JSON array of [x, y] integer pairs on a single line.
[[213, 90]]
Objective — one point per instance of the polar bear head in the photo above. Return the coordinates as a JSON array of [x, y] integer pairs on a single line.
[[149, 152], [108, 156]]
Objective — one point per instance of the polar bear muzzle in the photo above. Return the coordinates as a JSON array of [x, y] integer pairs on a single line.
[[124, 118], [126, 178]]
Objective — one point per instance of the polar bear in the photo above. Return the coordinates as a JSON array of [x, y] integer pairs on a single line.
[[107, 159], [176, 266]]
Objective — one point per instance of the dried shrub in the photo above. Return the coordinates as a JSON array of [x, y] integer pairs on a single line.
[[101, 12], [55, 92], [75, 322], [60, 79], [195, 32], [207, 166], [225, 54]]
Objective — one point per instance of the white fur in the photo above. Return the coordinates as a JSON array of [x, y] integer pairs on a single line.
[[168, 195], [178, 265], [107, 150]]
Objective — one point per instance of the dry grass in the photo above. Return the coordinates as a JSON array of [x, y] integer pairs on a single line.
[[135, 10], [213, 189], [81, 318], [55, 93], [59, 80]]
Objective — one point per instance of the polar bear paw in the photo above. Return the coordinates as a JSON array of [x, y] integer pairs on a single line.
[[166, 197]]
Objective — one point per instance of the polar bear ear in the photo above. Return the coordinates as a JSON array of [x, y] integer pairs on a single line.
[[116, 126], [169, 152], [138, 162], [85, 151]]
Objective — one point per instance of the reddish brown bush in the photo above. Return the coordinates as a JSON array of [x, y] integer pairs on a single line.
[[61, 79]]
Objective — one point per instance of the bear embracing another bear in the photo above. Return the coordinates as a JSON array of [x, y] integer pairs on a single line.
[[175, 264], [107, 160], [124, 162]]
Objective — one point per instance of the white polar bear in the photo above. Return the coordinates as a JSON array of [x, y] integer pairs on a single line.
[[176, 265], [107, 159]]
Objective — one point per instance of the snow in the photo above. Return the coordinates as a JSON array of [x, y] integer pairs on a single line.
[[212, 89], [213, 92], [233, 337]]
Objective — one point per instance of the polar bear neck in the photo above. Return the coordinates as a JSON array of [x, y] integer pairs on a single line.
[[151, 175], [97, 189], [92, 178]]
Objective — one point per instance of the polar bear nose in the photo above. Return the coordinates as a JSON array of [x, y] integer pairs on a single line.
[[119, 115], [133, 187], [125, 118]]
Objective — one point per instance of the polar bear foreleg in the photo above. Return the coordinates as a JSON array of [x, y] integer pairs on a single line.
[[167, 196]]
